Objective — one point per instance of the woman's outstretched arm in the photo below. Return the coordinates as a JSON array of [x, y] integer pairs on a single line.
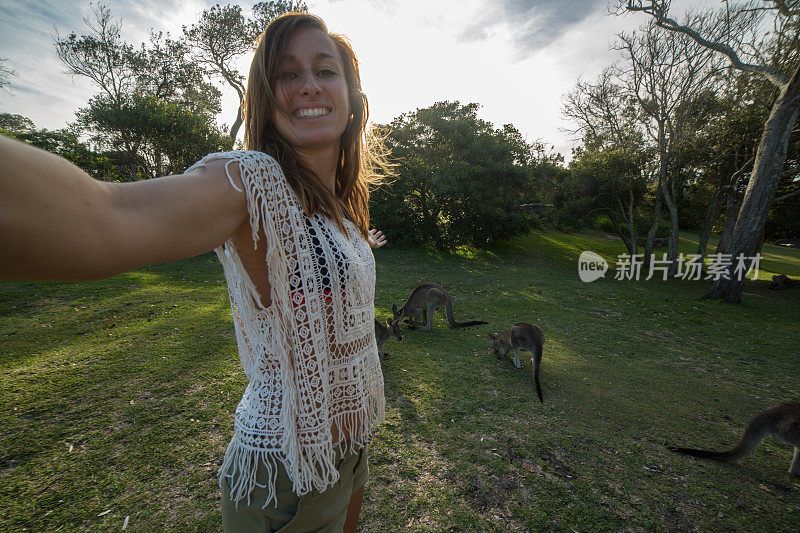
[[58, 223]]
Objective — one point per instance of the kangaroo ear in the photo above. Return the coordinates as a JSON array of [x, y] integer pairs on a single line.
[[388, 321], [394, 309]]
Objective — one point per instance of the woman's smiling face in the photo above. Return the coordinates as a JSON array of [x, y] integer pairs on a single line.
[[311, 92]]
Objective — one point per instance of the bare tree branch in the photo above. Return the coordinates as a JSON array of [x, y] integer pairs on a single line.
[[786, 196], [659, 10], [548, 180]]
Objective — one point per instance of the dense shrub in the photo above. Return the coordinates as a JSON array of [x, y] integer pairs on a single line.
[[459, 180]]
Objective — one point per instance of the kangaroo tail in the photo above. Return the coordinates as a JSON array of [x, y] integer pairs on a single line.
[[451, 319], [728, 455], [537, 362], [466, 324], [755, 432]]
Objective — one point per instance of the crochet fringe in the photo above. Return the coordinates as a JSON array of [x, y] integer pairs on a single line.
[[319, 465], [240, 468]]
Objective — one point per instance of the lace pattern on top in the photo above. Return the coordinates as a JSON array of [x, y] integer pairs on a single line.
[[310, 357]]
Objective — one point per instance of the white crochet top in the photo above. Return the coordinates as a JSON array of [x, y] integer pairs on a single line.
[[310, 357]]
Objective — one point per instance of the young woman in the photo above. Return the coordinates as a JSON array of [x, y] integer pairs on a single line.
[[289, 221]]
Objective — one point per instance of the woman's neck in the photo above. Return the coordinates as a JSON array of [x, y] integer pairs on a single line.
[[322, 163]]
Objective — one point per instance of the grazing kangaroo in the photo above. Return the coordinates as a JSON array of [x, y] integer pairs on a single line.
[[522, 336], [424, 300], [782, 421], [384, 332]]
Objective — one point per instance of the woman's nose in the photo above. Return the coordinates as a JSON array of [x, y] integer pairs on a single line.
[[310, 86]]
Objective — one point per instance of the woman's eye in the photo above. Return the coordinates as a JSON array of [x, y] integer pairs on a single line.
[[287, 75], [327, 73]]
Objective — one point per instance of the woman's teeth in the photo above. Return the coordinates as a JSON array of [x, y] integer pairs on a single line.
[[312, 113]]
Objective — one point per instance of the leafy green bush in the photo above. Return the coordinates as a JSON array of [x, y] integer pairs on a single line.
[[460, 180], [603, 223]]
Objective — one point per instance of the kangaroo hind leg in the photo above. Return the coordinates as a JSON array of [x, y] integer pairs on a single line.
[[428, 313], [412, 319], [795, 468]]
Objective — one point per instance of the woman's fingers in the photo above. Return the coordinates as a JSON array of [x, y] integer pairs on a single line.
[[376, 238]]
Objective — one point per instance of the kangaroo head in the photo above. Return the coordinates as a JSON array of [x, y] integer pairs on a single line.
[[496, 345], [394, 328], [397, 314]]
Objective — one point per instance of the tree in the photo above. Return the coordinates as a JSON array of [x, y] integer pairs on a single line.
[[16, 123], [164, 71], [161, 69], [664, 71], [717, 148], [101, 56], [266, 12], [157, 78], [609, 181], [61, 142], [459, 181], [223, 34], [168, 136], [783, 221], [782, 45], [613, 151]]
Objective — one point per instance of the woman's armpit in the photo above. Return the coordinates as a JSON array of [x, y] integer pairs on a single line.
[[254, 260]]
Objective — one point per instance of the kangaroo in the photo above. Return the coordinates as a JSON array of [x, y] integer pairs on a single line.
[[522, 336], [384, 332], [782, 421], [424, 300]]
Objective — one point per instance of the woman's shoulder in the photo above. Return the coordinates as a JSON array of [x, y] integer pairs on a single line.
[[241, 156], [252, 167]]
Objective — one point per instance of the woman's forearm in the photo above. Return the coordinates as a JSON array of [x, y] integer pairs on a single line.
[[48, 210], [58, 223]]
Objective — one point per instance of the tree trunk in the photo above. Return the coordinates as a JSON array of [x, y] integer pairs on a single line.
[[731, 205], [761, 189], [672, 248], [731, 210], [630, 238], [663, 179], [631, 223], [630, 245], [761, 239], [708, 222], [236, 125], [651, 234]]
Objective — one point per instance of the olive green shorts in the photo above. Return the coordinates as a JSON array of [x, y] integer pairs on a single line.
[[315, 511]]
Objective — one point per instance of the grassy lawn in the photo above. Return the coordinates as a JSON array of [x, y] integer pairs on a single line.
[[116, 398]]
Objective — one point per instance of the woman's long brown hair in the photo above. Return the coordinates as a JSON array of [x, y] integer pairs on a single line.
[[360, 157]]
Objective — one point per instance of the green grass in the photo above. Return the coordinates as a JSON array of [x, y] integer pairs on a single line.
[[118, 395]]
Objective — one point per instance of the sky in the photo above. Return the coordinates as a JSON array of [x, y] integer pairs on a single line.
[[516, 58]]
